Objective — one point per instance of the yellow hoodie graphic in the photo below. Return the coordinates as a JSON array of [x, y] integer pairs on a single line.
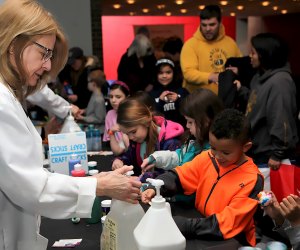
[[199, 58]]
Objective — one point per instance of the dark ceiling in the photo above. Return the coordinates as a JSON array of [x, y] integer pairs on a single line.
[[161, 7]]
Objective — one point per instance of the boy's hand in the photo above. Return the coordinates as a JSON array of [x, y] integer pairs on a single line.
[[272, 209], [117, 163], [290, 209], [147, 195]]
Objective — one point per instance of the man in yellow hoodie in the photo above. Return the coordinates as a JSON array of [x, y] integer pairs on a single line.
[[204, 55]]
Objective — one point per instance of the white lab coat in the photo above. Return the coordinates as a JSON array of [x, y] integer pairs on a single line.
[[26, 189], [48, 100]]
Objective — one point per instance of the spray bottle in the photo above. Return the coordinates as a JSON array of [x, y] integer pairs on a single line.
[[117, 231], [157, 229], [70, 125]]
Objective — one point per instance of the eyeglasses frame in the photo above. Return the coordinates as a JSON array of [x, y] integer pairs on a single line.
[[48, 52]]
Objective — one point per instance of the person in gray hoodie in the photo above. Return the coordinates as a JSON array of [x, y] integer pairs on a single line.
[[272, 107]]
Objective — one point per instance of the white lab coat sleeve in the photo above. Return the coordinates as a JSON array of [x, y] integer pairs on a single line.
[[166, 159], [48, 100], [24, 182]]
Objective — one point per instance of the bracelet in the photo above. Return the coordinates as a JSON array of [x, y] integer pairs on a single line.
[[110, 132]]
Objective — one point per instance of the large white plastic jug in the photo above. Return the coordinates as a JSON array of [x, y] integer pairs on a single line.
[[157, 229]]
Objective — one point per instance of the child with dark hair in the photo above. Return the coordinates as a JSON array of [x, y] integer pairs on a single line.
[[119, 91], [168, 93], [199, 109], [225, 180]]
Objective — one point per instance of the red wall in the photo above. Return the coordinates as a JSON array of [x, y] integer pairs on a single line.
[[118, 33]]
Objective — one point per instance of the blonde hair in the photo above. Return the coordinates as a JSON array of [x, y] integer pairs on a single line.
[[22, 21], [133, 112], [141, 46]]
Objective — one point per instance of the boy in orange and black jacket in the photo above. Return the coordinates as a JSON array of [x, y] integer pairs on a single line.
[[225, 180]]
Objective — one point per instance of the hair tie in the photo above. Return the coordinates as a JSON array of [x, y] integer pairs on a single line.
[[122, 84], [165, 60]]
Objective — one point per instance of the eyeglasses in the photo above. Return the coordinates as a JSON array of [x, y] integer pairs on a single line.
[[48, 52]]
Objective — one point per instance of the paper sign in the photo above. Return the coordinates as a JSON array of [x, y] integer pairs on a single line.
[[62, 146]]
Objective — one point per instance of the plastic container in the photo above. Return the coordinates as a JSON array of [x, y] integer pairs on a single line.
[[157, 229], [68, 88], [72, 162], [78, 171], [96, 211], [96, 140], [70, 126], [89, 138], [119, 224], [92, 165]]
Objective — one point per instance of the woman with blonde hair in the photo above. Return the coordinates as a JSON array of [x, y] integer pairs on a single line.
[[137, 65], [33, 48]]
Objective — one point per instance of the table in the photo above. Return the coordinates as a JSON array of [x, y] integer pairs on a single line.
[[55, 230]]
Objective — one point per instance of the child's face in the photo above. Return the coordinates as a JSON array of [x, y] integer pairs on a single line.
[[136, 133], [91, 85], [191, 125], [165, 75], [115, 97], [227, 151]]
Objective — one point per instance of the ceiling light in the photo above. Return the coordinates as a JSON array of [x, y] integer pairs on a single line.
[[232, 14], [179, 2], [130, 1], [145, 10], [168, 13], [201, 7], [223, 3], [117, 6], [265, 3], [283, 11], [275, 8], [131, 13], [161, 6], [183, 11], [240, 7]]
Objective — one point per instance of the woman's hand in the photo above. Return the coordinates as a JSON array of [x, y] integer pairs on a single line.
[[116, 185], [274, 164]]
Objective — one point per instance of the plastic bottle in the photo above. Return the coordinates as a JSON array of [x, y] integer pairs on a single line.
[[96, 211], [92, 165], [89, 138], [68, 88], [72, 162], [96, 140], [117, 232], [70, 126], [77, 172], [157, 230]]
